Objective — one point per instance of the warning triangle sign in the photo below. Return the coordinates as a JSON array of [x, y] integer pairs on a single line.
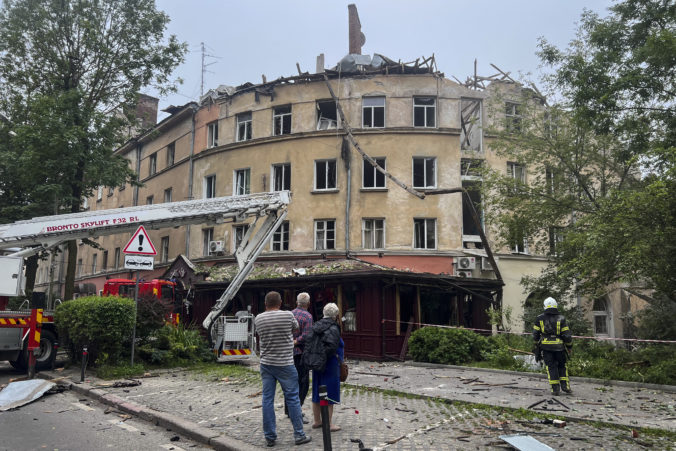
[[140, 244]]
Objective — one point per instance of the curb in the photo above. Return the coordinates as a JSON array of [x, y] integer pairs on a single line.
[[590, 380], [177, 424]]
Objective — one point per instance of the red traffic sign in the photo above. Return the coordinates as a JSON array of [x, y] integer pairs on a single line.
[[140, 244]]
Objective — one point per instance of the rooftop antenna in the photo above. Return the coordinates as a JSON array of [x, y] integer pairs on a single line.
[[205, 65]]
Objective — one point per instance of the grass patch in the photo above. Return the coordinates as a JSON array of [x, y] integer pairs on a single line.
[[123, 371]]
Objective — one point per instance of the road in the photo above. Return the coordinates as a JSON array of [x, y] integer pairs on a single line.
[[66, 421]]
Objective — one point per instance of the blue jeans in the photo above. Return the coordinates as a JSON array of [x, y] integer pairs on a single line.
[[288, 379]]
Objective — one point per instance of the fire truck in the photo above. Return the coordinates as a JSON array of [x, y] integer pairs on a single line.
[[161, 289], [230, 338]]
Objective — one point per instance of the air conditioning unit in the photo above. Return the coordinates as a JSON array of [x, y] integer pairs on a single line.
[[216, 247], [466, 263], [486, 264], [466, 274]]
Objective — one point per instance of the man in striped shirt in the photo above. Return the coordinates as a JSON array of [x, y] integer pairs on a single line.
[[275, 332]]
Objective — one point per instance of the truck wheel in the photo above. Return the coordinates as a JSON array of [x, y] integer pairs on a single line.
[[47, 352]]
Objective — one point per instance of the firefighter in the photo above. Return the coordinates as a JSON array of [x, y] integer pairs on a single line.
[[553, 344]]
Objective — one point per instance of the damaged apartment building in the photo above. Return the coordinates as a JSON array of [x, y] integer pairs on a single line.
[[389, 258]]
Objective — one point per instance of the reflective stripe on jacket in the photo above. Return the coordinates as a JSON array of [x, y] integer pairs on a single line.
[[551, 332]]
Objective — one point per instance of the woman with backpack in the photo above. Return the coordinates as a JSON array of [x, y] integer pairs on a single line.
[[323, 353]]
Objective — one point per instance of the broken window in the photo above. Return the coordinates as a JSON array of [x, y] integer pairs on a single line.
[[149, 200], [325, 175], [372, 178], [167, 195], [350, 307], [512, 117], [207, 238], [280, 238], [327, 115], [470, 124], [244, 126], [212, 134], [518, 240], [373, 233], [281, 177], [470, 229], [373, 112], [242, 182], [517, 172], [238, 234], [152, 164], [164, 246], [555, 237], [209, 186], [171, 153], [600, 310], [281, 120], [425, 233], [471, 168], [424, 112], [325, 234], [424, 172]]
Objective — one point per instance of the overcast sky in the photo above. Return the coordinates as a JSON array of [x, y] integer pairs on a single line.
[[248, 38]]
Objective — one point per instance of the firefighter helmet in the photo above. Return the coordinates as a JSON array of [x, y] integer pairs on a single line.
[[550, 302]]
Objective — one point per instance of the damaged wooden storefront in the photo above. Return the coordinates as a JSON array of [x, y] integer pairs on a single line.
[[379, 306]]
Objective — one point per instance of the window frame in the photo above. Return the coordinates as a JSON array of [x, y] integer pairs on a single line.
[[425, 111], [168, 193], [246, 188], [238, 233], [512, 170], [244, 124], [376, 173], [425, 237], [285, 176], [425, 158], [326, 175], [207, 238], [150, 199], [212, 134], [374, 229], [209, 184], [282, 118], [164, 249], [372, 109], [152, 164], [280, 238], [95, 258], [325, 229], [171, 154], [513, 116]]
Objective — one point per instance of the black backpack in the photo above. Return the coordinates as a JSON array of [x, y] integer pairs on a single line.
[[314, 351]]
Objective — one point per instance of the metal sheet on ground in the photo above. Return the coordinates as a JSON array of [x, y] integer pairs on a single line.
[[525, 443], [16, 394]]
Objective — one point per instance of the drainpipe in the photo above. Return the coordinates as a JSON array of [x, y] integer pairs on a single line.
[[190, 178], [345, 155], [139, 147]]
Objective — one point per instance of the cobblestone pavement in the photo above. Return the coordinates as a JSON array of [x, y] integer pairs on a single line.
[[615, 404], [381, 419]]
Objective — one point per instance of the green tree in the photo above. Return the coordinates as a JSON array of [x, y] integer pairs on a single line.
[[71, 72], [600, 194]]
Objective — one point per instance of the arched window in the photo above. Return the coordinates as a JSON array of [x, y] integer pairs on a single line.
[[600, 312]]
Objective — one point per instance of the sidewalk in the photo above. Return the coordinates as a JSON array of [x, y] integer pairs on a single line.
[[225, 412]]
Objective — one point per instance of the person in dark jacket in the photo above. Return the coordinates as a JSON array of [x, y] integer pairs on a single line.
[[554, 340], [334, 346]]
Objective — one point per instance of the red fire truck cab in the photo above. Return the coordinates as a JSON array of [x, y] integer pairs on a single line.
[[156, 288]]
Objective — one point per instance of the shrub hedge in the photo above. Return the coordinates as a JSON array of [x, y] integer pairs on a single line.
[[448, 346], [103, 324], [651, 363]]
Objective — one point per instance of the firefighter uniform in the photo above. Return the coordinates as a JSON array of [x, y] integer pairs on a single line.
[[554, 340]]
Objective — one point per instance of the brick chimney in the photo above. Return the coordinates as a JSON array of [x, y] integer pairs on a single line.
[[356, 37], [146, 111]]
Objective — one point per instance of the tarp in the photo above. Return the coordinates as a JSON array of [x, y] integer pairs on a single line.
[[16, 394]]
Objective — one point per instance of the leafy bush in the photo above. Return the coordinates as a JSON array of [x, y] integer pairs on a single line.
[[151, 315], [448, 346], [176, 345], [103, 324]]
